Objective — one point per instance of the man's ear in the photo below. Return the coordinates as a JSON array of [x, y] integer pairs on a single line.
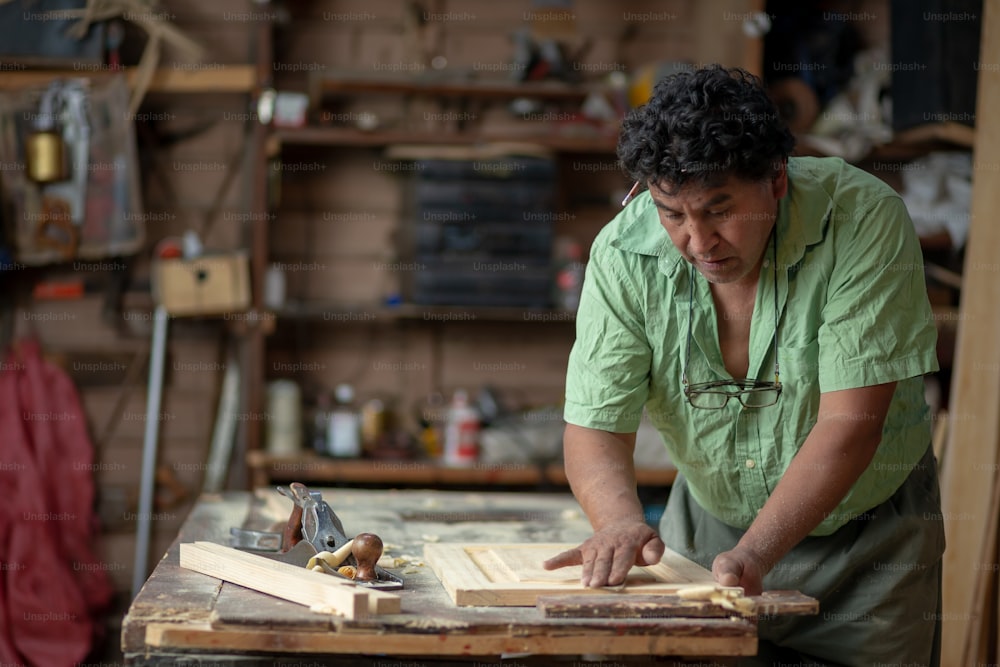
[[779, 181]]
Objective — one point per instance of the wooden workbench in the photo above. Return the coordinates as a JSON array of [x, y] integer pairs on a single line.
[[183, 615]]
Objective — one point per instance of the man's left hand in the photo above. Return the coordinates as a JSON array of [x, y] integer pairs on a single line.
[[740, 567]]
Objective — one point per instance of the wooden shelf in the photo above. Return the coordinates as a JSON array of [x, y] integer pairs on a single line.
[[450, 85], [909, 144], [200, 78], [347, 136], [310, 467], [341, 313]]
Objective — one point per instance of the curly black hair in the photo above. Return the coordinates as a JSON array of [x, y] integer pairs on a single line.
[[702, 126]]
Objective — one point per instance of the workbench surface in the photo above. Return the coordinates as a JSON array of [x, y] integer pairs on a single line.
[[180, 615]]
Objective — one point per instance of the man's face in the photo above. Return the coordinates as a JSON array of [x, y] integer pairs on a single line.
[[724, 229]]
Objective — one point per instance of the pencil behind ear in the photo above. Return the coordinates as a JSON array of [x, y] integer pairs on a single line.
[[631, 193]]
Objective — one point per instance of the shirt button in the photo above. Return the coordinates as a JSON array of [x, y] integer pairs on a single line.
[[767, 263], [750, 463]]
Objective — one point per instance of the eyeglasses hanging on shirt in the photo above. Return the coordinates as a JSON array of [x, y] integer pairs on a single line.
[[715, 395]]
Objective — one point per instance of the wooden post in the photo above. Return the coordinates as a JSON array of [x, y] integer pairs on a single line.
[[971, 459], [720, 38]]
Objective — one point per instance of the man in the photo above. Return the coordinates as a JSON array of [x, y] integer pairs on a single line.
[[740, 263]]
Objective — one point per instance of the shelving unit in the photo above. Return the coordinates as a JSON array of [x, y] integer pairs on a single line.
[[451, 89], [575, 141]]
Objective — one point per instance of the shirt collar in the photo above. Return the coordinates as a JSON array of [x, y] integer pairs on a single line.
[[802, 218]]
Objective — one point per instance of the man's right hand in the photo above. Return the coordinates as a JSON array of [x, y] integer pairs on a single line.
[[610, 553]]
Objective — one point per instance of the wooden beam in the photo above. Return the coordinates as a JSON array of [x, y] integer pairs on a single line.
[[718, 25], [971, 458], [771, 603], [196, 78], [663, 637], [200, 78], [286, 581]]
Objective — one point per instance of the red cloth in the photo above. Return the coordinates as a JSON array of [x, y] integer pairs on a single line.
[[53, 586]]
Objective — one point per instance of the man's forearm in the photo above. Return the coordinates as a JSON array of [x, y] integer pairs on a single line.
[[824, 470], [601, 474]]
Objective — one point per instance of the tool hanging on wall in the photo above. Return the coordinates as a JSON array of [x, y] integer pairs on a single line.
[[60, 127]]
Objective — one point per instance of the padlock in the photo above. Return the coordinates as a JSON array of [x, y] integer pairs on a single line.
[[44, 147], [45, 156]]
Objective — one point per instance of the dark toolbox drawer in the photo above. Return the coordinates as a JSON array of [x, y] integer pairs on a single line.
[[486, 199], [468, 239], [483, 282], [507, 168]]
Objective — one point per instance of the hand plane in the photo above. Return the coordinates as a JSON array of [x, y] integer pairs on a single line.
[[313, 527]]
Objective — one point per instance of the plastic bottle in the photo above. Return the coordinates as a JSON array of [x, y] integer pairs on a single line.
[[284, 407], [569, 278], [373, 420], [344, 433], [321, 424], [461, 436]]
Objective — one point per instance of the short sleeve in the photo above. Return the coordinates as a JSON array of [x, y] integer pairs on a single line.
[[877, 325], [607, 381]]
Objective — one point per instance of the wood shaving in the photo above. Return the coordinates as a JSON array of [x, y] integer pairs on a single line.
[[390, 562], [430, 623], [321, 608], [727, 598]]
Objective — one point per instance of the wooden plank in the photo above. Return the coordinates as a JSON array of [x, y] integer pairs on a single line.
[[982, 622], [956, 133], [627, 606], [209, 78], [353, 82], [770, 603], [716, 637], [472, 579], [240, 608], [785, 603], [523, 563], [274, 578], [379, 601], [970, 468], [721, 39]]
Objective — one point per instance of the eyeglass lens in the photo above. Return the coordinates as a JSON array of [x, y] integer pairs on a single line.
[[716, 399]]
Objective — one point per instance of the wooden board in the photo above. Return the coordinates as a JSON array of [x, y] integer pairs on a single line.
[[972, 453], [286, 581], [645, 637], [511, 575], [770, 603]]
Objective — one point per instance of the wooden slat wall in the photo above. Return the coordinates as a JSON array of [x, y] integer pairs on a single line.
[[972, 456]]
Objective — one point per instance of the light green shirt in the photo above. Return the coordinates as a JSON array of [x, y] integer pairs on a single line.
[[853, 313]]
